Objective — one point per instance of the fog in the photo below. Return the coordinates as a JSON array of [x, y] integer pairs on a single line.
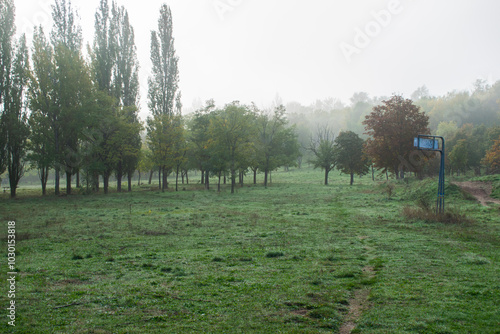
[[304, 51]]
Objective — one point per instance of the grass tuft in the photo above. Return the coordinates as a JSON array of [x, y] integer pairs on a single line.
[[275, 254]]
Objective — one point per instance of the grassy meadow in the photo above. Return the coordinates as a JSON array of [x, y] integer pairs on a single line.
[[292, 258]]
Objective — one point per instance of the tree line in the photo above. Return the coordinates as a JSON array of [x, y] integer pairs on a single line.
[[63, 112], [79, 117], [389, 130]]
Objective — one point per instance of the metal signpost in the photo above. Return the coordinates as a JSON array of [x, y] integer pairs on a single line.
[[431, 143]]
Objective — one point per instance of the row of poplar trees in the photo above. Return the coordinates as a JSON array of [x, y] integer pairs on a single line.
[[62, 112], [79, 117]]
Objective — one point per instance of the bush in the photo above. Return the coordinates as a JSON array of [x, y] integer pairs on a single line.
[[388, 189]]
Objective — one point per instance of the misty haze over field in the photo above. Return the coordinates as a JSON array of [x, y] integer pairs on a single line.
[[254, 51], [250, 166]]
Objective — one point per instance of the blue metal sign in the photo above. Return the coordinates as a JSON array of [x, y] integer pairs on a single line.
[[426, 144]]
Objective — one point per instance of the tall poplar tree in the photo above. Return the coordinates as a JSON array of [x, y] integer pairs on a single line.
[[163, 85], [164, 82], [72, 90], [42, 103], [7, 31], [14, 72], [105, 49], [16, 117], [115, 67], [126, 88], [126, 71]]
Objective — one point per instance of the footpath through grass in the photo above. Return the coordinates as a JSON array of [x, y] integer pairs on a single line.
[[287, 259]]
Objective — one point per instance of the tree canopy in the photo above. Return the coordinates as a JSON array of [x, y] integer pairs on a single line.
[[392, 126], [349, 154]]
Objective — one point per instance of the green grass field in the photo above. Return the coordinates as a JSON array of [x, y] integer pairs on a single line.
[[292, 258]]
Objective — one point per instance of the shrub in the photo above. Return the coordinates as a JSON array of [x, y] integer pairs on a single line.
[[389, 189]]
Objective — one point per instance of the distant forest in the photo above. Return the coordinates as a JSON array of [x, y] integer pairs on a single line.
[[470, 119], [481, 106]]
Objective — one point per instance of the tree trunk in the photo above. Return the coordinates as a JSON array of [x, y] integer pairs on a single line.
[[78, 178], [105, 180], [233, 180], [57, 181], [58, 167], [14, 172], [44, 188], [15, 169], [13, 192], [177, 179], [207, 180], [187, 177], [352, 178], [326, 176], [255, 176], [202, 177], [373, 174], [87, 179], [218, 185], [151, 176], [129, 177], [396, 172], [159, 178], [95, 182], [266, 173], [165, 179], [44, 176], [68, 183], [139, 181], [119, 177]]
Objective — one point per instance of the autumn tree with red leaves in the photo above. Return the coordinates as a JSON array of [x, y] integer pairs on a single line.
[[492, 158], [392, 127]]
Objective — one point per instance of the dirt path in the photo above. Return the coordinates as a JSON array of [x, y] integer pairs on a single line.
[[480, 190], [359, 302], [357, 305]]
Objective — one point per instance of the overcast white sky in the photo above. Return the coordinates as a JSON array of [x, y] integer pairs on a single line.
[[251, 50]]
